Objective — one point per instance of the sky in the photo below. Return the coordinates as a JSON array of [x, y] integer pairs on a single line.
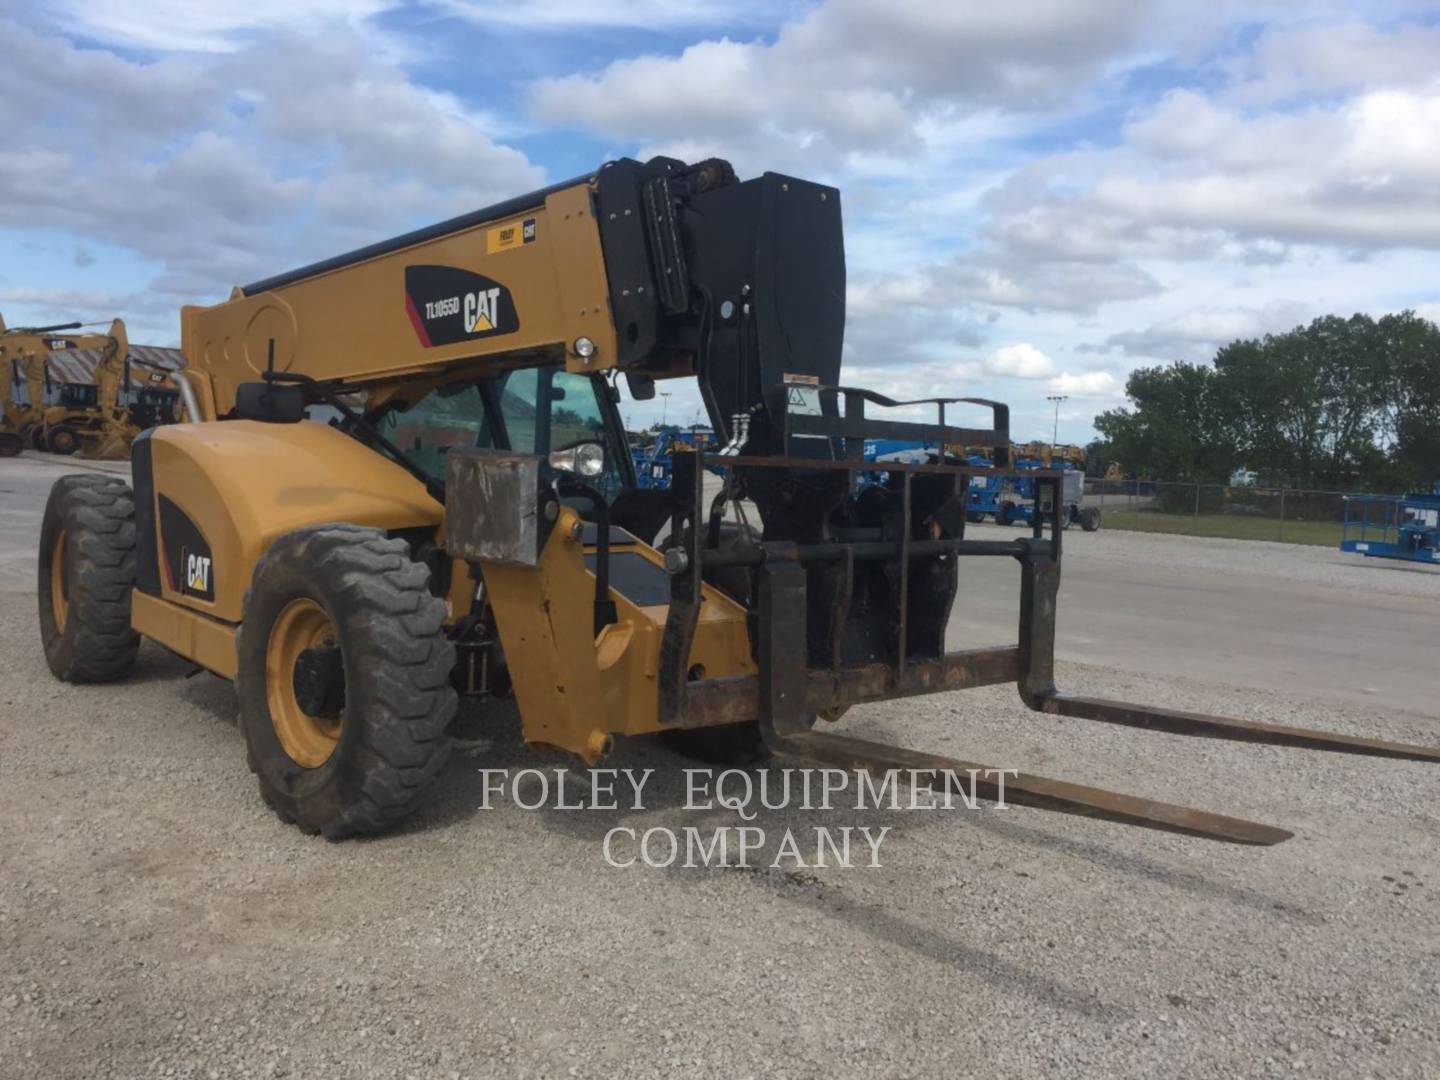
[[1039, 196]]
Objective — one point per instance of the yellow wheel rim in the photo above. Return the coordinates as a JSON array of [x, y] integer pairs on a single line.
[[59, 583], [308, 740]]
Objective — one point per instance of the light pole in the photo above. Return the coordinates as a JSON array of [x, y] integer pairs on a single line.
[[1055, 431], [664, 406]]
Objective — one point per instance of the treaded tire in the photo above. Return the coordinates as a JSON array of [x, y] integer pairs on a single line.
[[97, 516], [1090, 518], [398, 705], [63, 440]]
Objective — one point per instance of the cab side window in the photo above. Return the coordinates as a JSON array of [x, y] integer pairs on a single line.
[[445, 417]]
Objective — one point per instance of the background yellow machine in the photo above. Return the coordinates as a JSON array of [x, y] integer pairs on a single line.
[[22, 363], [458, 513], [100, 418]]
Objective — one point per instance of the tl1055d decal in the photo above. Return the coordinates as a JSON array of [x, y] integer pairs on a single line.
[[447, 305]]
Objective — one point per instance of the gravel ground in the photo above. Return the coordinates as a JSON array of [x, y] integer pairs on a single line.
[[155, 920]]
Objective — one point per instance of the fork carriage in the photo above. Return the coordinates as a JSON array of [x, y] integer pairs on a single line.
[[820, 593]]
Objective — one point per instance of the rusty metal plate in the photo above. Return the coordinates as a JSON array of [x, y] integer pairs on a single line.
[[492, 506]]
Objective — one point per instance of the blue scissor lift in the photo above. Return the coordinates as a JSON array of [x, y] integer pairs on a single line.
[[1394, 526], [654, 464], [1009, 500]]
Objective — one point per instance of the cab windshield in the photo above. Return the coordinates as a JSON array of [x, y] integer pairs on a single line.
[[530, 411]]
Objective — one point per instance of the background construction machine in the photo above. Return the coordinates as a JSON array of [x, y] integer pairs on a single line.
[[22, 360], [99, 412], [469, 520]]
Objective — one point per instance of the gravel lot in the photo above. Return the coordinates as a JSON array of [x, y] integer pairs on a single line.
[[155, 920]]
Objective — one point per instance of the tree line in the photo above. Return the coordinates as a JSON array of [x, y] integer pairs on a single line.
[[1340, 404]]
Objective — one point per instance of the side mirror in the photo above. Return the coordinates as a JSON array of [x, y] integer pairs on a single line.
[[270, 403], [642, 387]]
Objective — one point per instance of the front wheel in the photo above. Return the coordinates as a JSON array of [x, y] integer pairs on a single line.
[[63, 440], [87, 569], [1090, 518], [344, 680]]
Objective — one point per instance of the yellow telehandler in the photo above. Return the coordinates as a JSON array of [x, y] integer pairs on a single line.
[[409, 481]]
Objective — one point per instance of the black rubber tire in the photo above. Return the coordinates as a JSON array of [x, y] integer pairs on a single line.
[[1090, 518], [63, 440], [97, 514], [399, 703], [35, 435], [11, 444]]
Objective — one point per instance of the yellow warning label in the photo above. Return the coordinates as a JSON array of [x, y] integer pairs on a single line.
[[508, 237]]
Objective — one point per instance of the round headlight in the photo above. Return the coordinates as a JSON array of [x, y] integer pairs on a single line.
[[584, 459], [584, 348], [590, 459]]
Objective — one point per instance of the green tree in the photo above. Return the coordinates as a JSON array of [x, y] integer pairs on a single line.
[[1179, 429], [1412, 410], [1338, 404]]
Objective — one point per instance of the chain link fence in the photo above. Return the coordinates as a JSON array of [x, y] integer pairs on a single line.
[[1243, 512]]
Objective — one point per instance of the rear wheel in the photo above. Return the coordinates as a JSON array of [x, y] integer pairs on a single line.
[[11, 444], [1090, 518], [87, 569], [62, 440], [344, 680], [34, 434]]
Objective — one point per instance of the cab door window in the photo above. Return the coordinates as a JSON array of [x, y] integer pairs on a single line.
[[546, 409]]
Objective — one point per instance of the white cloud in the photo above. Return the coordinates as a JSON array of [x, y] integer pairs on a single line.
[[1091, 385], [1021, 361], [1299, 62], [994, 278], [225, 168], [185, 25], [1196, 334], [850, 78], [1194, 175], [65, 300], [917, 382], [559, 15]]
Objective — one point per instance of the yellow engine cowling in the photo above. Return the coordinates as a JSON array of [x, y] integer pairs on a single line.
[[225, 492]]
